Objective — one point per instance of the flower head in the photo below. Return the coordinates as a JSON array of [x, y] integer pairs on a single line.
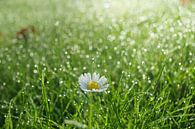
[[93, 82]]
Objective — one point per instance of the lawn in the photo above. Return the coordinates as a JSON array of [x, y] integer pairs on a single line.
[[145, 49]]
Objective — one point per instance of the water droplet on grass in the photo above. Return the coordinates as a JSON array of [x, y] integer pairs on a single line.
[[35, 71]]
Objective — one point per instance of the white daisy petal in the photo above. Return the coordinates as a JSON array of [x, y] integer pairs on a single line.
[[95, 77], [81, 77], [85, 78], [85, 90], [102, 81], [83, 82], [83, 85], [101, 90], [88, 77], [105, 86]]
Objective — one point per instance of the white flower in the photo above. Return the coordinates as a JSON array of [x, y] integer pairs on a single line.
[[93, 83]]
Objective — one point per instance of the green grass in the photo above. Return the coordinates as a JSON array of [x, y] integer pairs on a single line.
[[146, 49]]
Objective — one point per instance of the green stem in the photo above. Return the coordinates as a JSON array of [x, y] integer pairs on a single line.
[[44, 94], [90, 110]]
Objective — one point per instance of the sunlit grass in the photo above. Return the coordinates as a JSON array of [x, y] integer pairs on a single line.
[[145, 49]]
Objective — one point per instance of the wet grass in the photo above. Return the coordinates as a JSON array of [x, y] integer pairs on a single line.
[[146, 50]]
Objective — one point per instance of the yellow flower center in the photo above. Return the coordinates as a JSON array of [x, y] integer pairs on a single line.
[[93, 86]]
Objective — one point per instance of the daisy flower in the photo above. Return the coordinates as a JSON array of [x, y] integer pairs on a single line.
[[93, 82]]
